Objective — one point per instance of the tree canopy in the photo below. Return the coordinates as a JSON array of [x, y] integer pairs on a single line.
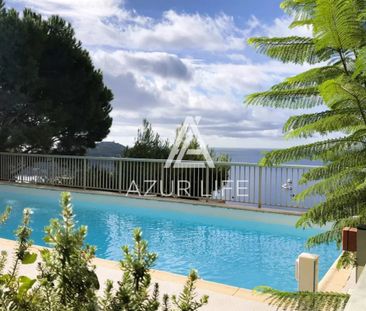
[[338, 49], [52, 99], [148, 144], [337, 82]]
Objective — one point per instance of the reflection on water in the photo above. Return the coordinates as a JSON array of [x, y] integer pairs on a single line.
[[238, 248]]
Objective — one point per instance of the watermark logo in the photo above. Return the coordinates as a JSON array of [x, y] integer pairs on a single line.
[[182, 143], [200, 178]]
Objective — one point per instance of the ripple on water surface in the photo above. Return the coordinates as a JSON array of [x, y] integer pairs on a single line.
[[237, 248]]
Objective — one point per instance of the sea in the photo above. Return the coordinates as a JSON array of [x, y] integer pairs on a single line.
[[275, 187], [254, 155]]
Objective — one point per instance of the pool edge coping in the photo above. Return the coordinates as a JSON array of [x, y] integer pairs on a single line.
[[336, 280], [271, 210], [159, 275], [220, 288]]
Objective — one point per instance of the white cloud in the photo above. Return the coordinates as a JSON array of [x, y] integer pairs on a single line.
[[157, 63], [278, 28], [72, 8], [240, 58], [187, 31], [214, 91], [95, 21], [108, 23], [148, 65]]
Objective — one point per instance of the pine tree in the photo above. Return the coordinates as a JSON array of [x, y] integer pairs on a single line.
[[52, 98], [338, 40]]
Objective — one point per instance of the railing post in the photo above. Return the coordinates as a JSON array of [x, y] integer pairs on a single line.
[[84, 174], [21, 168], [53, 171], [259, 186], [91, 174], [207, 182], [162, 179], [119, 176]]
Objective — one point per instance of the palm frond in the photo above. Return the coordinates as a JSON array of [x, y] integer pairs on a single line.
[[338, 37], [341, 205], [300, 9], [311, 78], [337, 123], [304, 301], [301, 121], [343, 93], [317, 75], [354, 159], [335, 233], [292, 98], [313, 151], [327, 237], [360, 64], [300, 23], [346, 178], [298, 50], [336, 25]]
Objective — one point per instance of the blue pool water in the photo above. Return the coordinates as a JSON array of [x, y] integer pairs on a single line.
[[239, 248]]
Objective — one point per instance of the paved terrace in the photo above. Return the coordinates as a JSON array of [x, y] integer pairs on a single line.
[[221, 297]]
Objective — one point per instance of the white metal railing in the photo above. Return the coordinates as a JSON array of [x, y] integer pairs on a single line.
[[227, 181]]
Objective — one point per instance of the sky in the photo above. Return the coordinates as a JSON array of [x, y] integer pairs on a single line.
[[168, 59]]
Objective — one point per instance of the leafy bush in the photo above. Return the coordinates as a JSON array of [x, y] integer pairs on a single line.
[[66, 278]]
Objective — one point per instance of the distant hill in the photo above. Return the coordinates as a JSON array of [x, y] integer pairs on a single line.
[[106, 149]]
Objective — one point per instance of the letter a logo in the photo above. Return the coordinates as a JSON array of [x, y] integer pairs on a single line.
[[181, 146]]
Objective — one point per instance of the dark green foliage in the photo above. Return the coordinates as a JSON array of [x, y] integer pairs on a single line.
[[305, 301], [52, 99], [148, 144], [339, 37], [66, 279]]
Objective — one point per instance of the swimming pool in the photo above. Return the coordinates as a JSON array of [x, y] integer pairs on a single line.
[[239, 248]]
